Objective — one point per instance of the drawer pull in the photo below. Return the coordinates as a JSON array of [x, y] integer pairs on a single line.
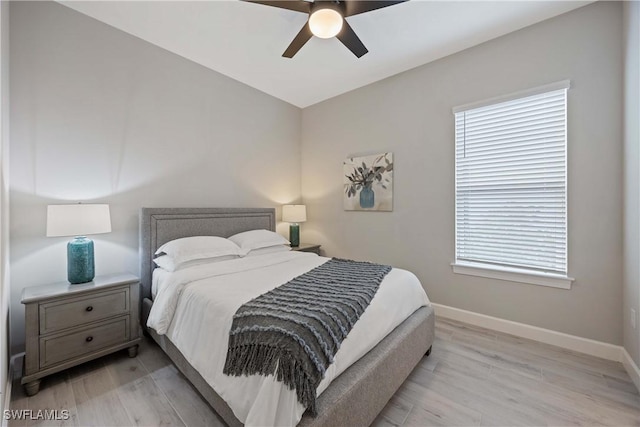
[[89, 339], [90, 308]]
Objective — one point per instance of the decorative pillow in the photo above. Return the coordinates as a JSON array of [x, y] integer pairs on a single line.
[[256, 239], [167, 263], [269, 250], [198, 247]]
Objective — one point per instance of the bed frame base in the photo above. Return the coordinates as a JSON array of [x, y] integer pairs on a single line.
[[355, 397]]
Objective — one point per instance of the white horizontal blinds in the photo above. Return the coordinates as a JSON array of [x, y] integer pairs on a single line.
[[511, 183]]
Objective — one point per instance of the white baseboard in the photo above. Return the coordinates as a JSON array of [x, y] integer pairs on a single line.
[[547, 336], [6, 404], [7, 397], [631, 367], [17, 360]]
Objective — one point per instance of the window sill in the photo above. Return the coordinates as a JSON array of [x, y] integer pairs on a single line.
[[512, 274]]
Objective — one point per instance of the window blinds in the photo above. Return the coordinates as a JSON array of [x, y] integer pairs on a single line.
[[511, 183]]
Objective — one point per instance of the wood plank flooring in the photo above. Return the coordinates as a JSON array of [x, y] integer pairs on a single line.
[[474, 377]]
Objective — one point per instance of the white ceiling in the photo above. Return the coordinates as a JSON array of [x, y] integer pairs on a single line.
[[245, 41]]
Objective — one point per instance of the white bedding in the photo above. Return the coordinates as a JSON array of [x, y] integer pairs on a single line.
[[195, 307]]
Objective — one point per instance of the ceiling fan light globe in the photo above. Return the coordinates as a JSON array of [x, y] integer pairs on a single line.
[[325, 23]]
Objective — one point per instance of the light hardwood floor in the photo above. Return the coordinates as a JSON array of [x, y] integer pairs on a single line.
[[473, 377]]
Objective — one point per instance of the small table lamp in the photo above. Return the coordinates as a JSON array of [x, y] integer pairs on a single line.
[[78, 220], [294, 214]]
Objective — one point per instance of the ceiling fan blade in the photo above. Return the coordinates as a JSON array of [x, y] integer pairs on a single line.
[[355, 7], [349, 38], [303, 36], [296, 5]]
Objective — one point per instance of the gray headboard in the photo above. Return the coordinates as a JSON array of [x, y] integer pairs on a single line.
[[161, 225]]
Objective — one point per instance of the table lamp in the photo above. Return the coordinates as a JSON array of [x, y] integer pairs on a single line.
[[78, 220], [294, 214]]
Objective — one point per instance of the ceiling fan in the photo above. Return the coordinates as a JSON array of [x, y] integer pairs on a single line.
[[327, 19]]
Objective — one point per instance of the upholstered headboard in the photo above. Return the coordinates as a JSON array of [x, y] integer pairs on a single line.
[[161, 225]]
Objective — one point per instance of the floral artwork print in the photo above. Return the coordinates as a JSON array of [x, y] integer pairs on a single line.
[[368, 183]]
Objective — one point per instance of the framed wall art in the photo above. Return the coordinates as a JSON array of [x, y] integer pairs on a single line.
[[368, 183]]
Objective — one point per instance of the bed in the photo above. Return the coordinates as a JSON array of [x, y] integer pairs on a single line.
[[356, 395]]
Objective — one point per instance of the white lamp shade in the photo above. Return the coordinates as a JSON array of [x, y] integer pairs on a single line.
[[294, 213], [77, 220]]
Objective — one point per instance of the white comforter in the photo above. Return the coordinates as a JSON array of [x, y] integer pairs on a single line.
[[195, 307]]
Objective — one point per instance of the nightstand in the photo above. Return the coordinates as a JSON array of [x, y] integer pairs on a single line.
[[67, 325], [307, 247]]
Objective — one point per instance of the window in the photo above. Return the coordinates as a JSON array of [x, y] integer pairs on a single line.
[[511, 187]]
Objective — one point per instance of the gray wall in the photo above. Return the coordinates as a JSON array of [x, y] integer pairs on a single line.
[[98, 115], [410, 115], [632, 175], [4, 198]]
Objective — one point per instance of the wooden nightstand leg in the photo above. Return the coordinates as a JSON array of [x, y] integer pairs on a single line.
[[133, 350], [32, 388]]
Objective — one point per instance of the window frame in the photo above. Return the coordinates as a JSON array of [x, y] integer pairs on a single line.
[[508, 273]]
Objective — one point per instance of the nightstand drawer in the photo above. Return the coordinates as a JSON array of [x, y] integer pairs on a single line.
[[61, 348], [66, 313]]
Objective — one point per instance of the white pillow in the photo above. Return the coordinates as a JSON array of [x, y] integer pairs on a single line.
[[198, 247], [269, 250], [167, 263], [256, 239]]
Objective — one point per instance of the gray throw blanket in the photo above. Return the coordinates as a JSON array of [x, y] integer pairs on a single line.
[[295, 330]]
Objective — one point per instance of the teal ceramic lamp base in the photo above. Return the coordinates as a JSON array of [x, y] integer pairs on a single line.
[[80, 261], [294, 235]]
